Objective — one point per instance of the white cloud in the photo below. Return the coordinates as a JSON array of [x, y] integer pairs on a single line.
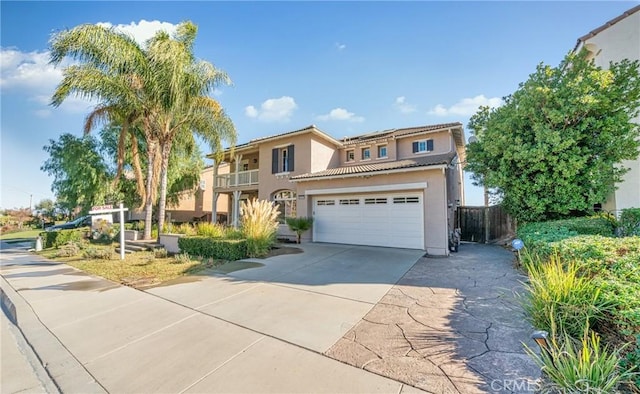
[[273, 110], [404, 107], [340, 46], [27, 70], [31, 74], [466, 106], [341, 114], [251, 111], [143, 30]]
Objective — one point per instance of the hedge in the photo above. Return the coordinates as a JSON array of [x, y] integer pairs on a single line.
[[224, 249], [55, 239]]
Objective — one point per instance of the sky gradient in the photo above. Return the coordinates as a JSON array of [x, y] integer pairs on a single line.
[[347, 67]]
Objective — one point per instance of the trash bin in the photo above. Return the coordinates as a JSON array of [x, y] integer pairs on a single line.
[[38, 244]]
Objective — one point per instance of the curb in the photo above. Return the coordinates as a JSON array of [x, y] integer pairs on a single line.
[[58, 370]]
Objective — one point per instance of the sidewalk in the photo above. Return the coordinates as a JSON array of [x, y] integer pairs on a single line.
[[96, 336]]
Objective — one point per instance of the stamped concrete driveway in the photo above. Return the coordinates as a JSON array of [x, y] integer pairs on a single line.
[[310, 299]]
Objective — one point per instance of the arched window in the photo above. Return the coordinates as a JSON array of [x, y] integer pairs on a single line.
[[286, 202]]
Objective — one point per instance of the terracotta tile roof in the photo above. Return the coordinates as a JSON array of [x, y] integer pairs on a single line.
[[398, 132], [310, 127], [424, 161], [606, 26]]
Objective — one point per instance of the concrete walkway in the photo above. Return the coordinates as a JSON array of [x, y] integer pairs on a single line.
[[450, 325], [96, 336]]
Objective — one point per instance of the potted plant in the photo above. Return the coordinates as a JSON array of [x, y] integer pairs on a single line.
[[299, 225]]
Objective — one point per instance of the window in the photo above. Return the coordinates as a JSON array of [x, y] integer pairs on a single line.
[[351, 156], [422, 146], [326, 202], [366, 153], [286, 203], [406, 200], [285, 161], [245, 167], [353, 201], [282, 159], [369, 201], [382, 151]]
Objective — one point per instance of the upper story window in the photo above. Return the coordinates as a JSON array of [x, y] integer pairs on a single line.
[[422, 146], [282, 159], [366, 153], [382, 151], [351, 155]]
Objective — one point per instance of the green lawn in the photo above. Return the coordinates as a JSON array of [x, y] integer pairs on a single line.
[[29, 234], [140, 269]]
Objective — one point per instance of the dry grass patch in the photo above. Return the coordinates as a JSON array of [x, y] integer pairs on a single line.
[[140, 269]]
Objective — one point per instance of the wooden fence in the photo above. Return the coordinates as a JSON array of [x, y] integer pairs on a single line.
[[484, 224]]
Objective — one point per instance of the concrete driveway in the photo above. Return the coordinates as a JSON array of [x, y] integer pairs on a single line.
[[243, 331], [310, 299]]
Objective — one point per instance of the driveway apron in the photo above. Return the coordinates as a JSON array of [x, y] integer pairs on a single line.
[[310, 299]]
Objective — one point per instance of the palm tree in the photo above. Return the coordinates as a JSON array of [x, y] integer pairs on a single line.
[[183, 107], [112, 70], [159, 87]]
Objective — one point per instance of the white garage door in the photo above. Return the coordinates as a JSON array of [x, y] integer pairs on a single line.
[[394, 220]]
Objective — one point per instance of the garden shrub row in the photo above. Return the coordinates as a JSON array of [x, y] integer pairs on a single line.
[[609, 264], [224, 249], [55, 239]]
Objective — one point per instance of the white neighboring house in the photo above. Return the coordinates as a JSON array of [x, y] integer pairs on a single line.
[[614, 41]]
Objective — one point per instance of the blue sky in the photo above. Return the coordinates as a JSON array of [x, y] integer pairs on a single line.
[[347, 67]]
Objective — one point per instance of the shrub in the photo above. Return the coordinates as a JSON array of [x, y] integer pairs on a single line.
[[55, 239], [69, 250], [98, 253], [184, 228], [233, 233], [160, 253], [583, 366], [259, 226], [558, 294], [540, 233], [213, 230], [217, 248], [613, 265], [629, 223], [182, 258], [299, 225]]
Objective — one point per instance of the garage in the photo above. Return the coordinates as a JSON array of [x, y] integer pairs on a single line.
[[393, 220]]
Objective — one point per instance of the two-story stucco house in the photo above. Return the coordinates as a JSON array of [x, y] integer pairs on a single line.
[[394, 188], [614, 41]]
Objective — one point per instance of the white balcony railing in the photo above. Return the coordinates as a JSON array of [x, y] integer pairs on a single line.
[[242, 178]]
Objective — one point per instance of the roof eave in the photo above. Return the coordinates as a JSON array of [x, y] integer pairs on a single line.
[[372, 173]]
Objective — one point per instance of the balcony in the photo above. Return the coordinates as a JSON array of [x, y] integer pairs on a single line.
[[235, 179]]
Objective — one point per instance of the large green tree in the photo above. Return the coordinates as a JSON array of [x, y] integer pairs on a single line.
[[159, 87], [554, 148], [80, 174]]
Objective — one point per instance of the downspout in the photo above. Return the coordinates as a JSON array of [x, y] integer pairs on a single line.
[[446, 210]]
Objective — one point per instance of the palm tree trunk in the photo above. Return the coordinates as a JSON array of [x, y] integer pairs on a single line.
[[148, 204], [166, 150]]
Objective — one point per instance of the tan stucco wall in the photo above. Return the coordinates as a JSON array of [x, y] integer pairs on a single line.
[[435, 202], [323, 155], [615, 43], [442, 143], [270, 183], [198, 203]]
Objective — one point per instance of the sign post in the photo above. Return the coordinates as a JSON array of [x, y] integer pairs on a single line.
[[109, 209]]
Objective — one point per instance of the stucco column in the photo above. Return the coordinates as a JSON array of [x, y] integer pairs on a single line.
[[238, 158], [236, 208], [214, 204]]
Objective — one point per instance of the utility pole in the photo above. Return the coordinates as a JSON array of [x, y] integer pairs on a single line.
[[30, 202]]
